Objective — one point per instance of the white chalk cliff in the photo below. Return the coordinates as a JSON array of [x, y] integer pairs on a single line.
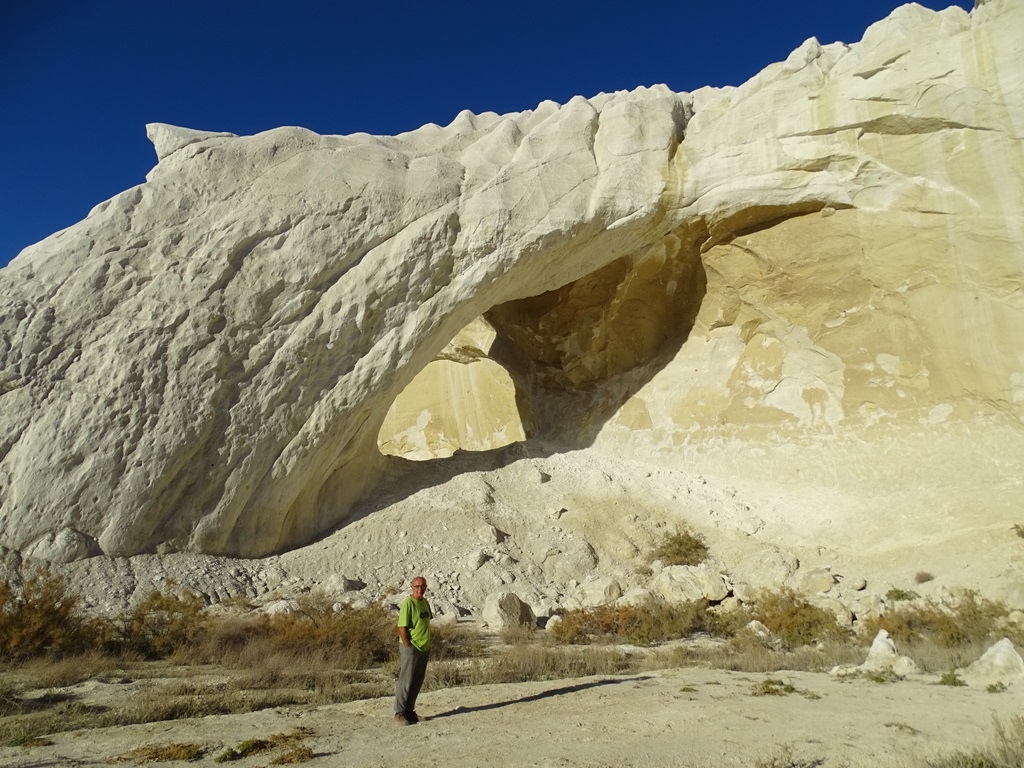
[[810, 284]]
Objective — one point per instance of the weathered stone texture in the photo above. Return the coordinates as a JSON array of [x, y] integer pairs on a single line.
[[812, 280]]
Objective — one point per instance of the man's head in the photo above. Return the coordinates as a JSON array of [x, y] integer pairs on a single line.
[[419, 587]]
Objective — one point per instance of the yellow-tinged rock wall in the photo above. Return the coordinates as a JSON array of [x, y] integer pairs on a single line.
[[812, 280]]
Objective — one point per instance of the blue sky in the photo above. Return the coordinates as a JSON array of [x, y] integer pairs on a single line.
[[80, 79]]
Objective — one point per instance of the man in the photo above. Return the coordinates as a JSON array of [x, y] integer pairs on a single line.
[[414, 630]]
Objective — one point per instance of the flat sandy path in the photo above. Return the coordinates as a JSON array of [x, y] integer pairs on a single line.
[[683, 717]]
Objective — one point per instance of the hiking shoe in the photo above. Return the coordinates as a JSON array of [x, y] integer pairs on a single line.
[[412, 717], [401, 719]]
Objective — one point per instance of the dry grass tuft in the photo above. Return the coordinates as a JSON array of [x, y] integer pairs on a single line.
[[163, 753], [680, 548], [895, 595], [1006, 750], [771, 687], [518, 634], [295, 755], [951, 678], [296, 752], [452, 640], [785, 759], [49, 672]]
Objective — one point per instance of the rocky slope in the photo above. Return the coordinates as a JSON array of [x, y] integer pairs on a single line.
[[787, 314]]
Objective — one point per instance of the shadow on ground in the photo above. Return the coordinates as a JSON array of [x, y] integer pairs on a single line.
[[538, 696]]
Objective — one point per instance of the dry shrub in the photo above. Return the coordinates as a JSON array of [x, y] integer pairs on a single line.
[[43, 620], [41, 717], [681, 548], [224, 640], [1005, 751], [518, 634], [966, 620], [454, 673], [795, 621], [10, 698], [748, 653], [352, 637], [523, 663], [163, 624], [48, 672], [452, 640], [319, 635], [641, 624]]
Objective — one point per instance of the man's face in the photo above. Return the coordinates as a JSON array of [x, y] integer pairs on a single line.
[[419, 588]]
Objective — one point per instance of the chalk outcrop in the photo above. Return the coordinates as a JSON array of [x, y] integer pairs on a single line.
[[883, 658], [1001, 664], [811, 282]]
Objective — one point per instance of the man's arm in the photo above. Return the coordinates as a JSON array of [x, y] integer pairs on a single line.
[[403, 632]]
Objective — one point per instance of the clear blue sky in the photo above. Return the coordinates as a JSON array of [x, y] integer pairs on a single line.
[[79, 79]]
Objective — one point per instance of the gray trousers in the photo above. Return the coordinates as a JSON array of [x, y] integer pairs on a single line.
[[410, 678]]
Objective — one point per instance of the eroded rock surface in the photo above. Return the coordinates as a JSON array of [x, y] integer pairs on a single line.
[[810, 284]]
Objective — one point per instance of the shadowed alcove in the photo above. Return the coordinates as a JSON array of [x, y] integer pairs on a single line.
[[507, 375]]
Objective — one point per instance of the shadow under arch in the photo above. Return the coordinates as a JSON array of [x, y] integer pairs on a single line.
[[583, 349]]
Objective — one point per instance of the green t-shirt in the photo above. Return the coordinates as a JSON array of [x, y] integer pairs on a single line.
[[415, 614]]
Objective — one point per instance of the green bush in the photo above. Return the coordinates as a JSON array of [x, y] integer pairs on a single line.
[[951, 678]]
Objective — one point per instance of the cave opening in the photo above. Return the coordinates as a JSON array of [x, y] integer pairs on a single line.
[[507, 375]]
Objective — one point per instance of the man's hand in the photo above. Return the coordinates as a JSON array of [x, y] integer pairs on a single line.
[[403, 632]]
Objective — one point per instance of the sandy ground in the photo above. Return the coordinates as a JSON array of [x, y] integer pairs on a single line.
[[666, 718]]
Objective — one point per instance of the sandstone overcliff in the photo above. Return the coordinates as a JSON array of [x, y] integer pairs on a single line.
[[809, 285]]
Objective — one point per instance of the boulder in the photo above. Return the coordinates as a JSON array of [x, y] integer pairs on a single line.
[[636, 596], [769, 569], [865, 605], [839, 609], [505, 609], [682, 583], [599, 591], [283, 606], [63, 546], [813, 581], [1000, 664]]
